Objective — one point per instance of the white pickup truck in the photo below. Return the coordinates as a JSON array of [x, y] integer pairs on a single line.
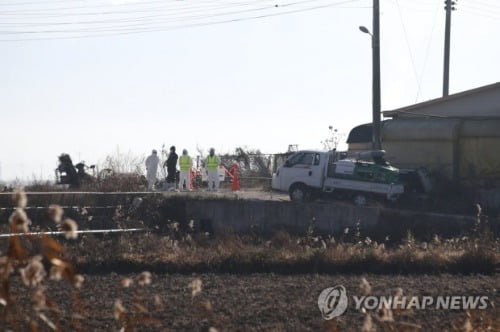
[[306, 173]]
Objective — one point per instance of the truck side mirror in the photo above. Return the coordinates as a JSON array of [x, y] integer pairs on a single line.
[[287, 163]]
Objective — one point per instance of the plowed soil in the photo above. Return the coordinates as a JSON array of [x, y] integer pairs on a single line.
[[254, 302]]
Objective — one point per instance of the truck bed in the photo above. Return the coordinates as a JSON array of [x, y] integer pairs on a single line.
[[332, 184]]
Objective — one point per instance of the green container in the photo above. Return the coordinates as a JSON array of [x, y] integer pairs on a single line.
[[371, 172]]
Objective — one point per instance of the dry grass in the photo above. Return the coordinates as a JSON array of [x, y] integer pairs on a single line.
[[40, 260], [188, 252], [183, 248]]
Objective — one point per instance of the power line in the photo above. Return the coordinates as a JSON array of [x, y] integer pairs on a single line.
[[413, 8], [482, 9], [145, 22], [161, 14], [49, 13], [130, 19], [182, 18], [427, 50], [409, 47], [496, 18], [429, 2], [109, 5], [39, 14], [484, 3], [192, 25], [35, 3]]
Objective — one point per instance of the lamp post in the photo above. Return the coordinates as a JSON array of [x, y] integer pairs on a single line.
[[376, 144]]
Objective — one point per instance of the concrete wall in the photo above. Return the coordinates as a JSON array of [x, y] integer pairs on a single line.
[[330, 218], [219, 214], [242, 215]]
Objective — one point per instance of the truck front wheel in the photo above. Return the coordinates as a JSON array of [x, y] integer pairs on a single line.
[[299, 193]]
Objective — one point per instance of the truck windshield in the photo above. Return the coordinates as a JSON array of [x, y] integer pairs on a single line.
[[305, 158]]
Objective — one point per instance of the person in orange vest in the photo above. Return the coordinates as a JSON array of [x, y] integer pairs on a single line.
[[212, 164], [185, 164]]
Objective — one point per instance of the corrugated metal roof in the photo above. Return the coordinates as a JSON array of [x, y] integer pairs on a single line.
[[416, 109]]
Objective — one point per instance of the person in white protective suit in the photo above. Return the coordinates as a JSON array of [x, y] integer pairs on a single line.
[[151, 168], [212, 165], [185, 164]]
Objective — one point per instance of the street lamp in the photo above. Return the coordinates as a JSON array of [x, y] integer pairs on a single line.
[[376, 144], [365, 30]]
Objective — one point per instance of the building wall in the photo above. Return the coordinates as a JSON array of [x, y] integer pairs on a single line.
[[355, 148], [460, 150], [432, 154], [479, 157]]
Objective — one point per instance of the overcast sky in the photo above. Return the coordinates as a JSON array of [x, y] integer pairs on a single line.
[[88, 77]]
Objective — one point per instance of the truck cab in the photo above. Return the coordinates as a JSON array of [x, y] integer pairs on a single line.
[[301, 167]]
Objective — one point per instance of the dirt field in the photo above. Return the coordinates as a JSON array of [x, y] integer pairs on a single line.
[[236, 282], [259, 302]]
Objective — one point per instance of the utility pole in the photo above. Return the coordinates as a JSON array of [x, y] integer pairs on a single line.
[[449, 6], [376, 142], [376, 76]]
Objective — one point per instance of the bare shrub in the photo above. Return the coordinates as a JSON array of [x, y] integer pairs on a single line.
[[119, 172], [120, 162], [28, 256]]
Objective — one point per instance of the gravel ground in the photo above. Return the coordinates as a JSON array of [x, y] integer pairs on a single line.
[[227, 193], [257, 302]]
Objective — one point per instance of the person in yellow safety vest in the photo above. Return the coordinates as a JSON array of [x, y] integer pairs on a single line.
[[212, 165], [185, 164]]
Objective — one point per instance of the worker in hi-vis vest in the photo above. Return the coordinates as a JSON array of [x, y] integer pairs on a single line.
[[185, 164], [212, 165]]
